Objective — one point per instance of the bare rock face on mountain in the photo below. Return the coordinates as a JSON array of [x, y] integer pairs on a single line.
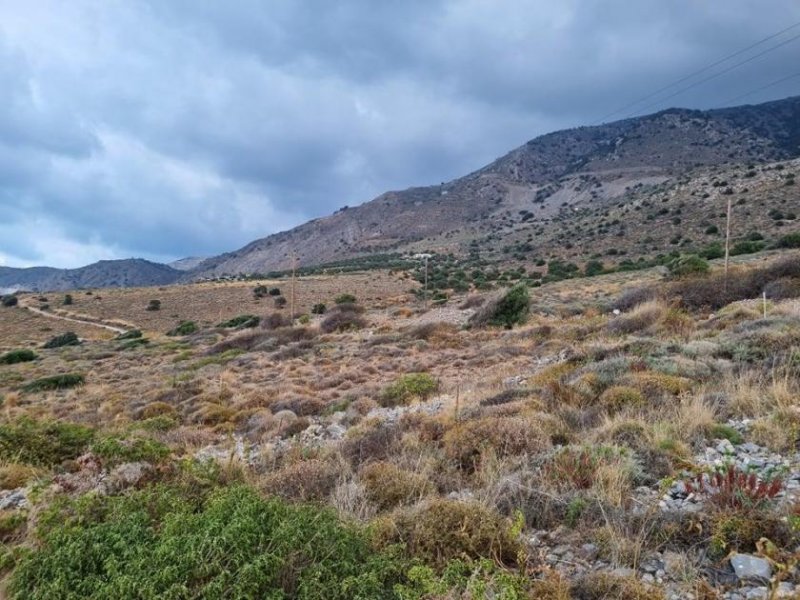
[[569, 169]]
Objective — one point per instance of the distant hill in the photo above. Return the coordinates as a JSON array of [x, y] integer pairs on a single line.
[[535, 186], [133, 272]]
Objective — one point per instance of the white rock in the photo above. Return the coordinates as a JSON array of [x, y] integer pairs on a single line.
[[748, 566]]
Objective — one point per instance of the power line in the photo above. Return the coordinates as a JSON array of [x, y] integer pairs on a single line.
[[700, 71], [710, 77], [763, 87]]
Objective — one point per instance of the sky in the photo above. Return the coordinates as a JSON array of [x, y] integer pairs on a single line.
[[170, 128]]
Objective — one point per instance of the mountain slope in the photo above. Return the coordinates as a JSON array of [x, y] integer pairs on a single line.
[[133, 272], [570, 168]]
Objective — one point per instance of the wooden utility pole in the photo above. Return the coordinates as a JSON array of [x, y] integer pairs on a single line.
[[291, 292], [425, 292], [727, 241]]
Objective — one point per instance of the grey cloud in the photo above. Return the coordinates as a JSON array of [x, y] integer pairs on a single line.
[[169, 128]]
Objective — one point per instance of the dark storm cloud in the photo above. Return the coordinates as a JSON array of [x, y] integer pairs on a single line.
[[166, 128]]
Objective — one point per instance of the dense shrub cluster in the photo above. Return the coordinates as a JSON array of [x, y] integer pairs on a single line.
[[183, 328], [17, 356], [159, 543], [54, 382], [42, 443], [343, 317], [65, 339], [241, 322], [509, 310], [413, 386]]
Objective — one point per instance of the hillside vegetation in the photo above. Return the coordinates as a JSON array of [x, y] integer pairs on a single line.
[[627, 435]]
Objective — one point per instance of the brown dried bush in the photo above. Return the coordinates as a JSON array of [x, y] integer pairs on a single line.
[[466, 441], [443, 530], [307, 480], [369, 441], [388, 486]]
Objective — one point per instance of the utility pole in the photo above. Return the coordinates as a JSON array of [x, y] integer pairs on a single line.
[[291, 292], [425, 293], [727, 241]]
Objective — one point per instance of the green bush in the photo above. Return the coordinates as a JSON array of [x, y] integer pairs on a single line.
[[791, 240], [318, 309], [183, 328], [157, 543], [54, 382], [274, 291], [65, 339], [67, 299], [345, 299], [153, 305], [115, 450], [712, 251], [9, 300], [687, 265], [747, 247], [512, 309], [18, 356], [241, 322], [133, 334], [593, 267], [260, 291], [42, 443], [409, 387]]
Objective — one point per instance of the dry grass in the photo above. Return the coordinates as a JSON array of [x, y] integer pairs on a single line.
[[560, 419]]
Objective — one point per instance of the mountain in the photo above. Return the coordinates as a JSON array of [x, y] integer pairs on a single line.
[[186, 264], [133, 272], [540, 184]]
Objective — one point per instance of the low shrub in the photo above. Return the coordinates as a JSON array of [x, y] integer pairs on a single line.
[[747, 247], [791, 240], [241, 322], [443, 530], [512, 309], [16, 475], [159, 543], [467, 441], [639, 318], [273, 291], [342, 320], [54, 382], [305, 481], [409, 387], [275, 321], [280, 302], [370, 441], [14, 357], [114, 450], [618, 397], [67, 300], [688, 265], [69, 338], [388, 486], [183, 328], [42, 443], [133, 334], [153, 305], [730, 488], [318, 309], [9, 300], [345, 299]]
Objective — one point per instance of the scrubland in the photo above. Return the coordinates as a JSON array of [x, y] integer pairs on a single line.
[[626, 438]]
